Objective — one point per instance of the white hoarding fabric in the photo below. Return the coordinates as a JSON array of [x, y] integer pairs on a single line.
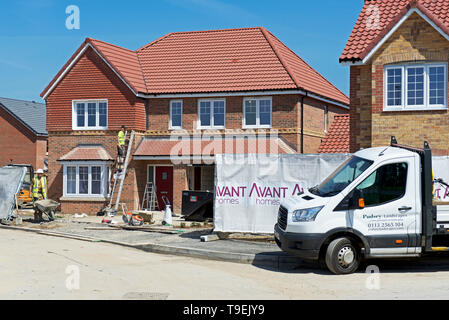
[[440, 167], [249, 188]]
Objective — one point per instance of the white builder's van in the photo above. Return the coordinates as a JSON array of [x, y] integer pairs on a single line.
[[377, 204]]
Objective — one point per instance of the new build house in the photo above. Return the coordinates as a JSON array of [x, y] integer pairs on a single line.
[[188, 94], [398, 55], [24, 137]]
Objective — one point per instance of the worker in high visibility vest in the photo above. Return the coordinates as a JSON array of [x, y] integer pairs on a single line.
[[39, 185], [121, 147]]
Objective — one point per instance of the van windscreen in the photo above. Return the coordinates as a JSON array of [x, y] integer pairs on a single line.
[[347, 172]]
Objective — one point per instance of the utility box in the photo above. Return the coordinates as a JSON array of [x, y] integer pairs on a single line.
[[197, 205]]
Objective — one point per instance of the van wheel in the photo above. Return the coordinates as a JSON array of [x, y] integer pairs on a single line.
[[342, 257]]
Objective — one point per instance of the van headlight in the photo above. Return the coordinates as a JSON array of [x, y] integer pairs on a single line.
[[306, 214]]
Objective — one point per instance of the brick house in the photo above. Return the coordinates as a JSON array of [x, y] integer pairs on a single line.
[[24, 137], [398, 55], [192, 94]]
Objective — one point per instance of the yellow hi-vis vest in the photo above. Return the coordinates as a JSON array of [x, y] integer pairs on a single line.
[[121, 138], [35, 189], [44, 187]]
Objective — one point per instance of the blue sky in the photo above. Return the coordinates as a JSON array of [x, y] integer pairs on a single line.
[[35, 43]]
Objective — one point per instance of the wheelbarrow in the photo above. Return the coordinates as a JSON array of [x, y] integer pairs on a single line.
[[47, 207]]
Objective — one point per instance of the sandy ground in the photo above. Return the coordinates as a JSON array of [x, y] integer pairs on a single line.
[[35, 266]]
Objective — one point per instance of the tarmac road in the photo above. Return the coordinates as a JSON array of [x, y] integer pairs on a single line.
[[34, 266]]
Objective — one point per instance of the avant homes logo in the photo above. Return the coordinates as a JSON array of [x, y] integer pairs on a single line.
[[262, 195]]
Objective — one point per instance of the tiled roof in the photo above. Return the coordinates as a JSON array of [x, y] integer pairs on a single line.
[[191, 147], [124, 61], [230, 60], [32, 114], [365, 35], [87, 152], [337, 138]]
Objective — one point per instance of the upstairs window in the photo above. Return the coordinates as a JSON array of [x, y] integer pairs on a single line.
[[416, 87], [175, 114], [211, 114], [90, 115], [257, 113]]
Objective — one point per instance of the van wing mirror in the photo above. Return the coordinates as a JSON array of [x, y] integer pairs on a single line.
[[354, 200], [358, 200]]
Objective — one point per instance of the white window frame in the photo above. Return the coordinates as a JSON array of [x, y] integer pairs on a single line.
[[105, 176], [171, 126], [404, 87], [97, 113], [212, 125], [257, 125]]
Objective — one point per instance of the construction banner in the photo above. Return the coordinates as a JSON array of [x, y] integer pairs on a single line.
[[440, 167], [249, 188]]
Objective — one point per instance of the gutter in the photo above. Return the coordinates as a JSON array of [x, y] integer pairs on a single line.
[[241, 93]]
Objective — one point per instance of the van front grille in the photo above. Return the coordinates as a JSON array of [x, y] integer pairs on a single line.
[[282, 217]]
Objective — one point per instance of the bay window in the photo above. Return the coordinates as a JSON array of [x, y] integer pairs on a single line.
[[85, 179], [416, 87]]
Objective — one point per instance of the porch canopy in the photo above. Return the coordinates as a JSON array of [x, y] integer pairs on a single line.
[[166, 148], [87, 153]]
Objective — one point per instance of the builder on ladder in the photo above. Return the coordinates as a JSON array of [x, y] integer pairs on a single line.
[[121, 148]]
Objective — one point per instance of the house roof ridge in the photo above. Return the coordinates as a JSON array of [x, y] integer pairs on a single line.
[[153, 42], [88, 39], [114, 66], [22, 100], [278, 55], [306, 63], [190, 32]]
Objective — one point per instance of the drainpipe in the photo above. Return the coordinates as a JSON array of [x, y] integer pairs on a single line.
[[147, 111], [302, 122]]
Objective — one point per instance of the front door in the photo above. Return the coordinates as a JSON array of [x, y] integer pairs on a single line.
[[164, 185]]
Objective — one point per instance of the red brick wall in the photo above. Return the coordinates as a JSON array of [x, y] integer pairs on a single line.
[[91, 78], [19, 143], [370, 126], [286, 115], [41, 151], [62, 143]]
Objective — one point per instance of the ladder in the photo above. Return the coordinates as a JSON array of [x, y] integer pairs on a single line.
[[149, 201], [120, 176]]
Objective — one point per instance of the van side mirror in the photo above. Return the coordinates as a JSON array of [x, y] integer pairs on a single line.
[[358, 199], [361, 203]]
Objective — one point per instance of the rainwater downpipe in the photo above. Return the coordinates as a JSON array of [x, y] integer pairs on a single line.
[[302, 121]]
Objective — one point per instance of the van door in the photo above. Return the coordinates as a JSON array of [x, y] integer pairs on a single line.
[[388, 220]]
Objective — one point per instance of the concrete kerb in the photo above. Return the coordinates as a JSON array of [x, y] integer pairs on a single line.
[[264, 260]]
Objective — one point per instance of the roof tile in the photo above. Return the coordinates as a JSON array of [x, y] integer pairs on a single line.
[[364, 37], [87, 152], [191, 147], [337, 138], [230, 60]]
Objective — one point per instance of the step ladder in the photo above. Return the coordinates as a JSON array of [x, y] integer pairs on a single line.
[[149, 201], [119, 177]]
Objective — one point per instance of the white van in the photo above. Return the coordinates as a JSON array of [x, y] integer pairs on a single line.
[[377, 204]]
